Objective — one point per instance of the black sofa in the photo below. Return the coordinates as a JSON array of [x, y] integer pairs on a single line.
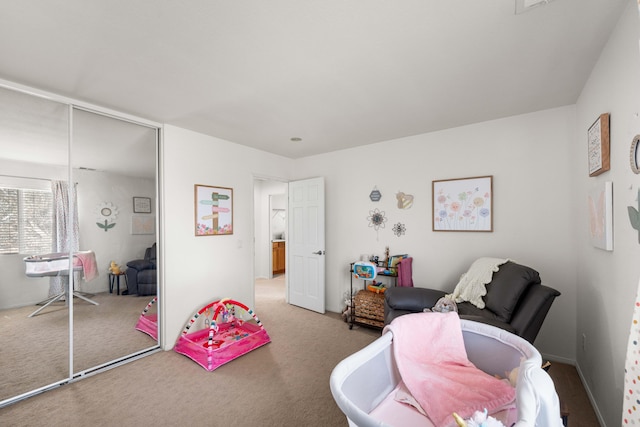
[[516, 301], [142, 274]]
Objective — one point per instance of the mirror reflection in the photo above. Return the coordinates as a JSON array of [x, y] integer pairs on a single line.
[[113, 163], [34, 350], [106, 219]]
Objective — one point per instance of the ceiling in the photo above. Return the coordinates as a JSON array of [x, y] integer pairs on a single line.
[[335, 73]]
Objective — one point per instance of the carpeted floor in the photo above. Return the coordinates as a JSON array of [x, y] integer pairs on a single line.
[[285, 383]]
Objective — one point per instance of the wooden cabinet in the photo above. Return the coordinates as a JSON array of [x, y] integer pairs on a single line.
[[278, 257]]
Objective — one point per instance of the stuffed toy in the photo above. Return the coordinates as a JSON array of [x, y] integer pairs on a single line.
[[444, 305], [346, 313], [114, 268], [479, 419]]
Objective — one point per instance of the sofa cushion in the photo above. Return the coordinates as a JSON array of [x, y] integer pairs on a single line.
[[506, 288]]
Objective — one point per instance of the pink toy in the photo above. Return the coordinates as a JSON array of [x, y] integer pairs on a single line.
[[225, 339], [148, 322]]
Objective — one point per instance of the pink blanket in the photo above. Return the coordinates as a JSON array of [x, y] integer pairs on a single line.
[[432, 361], [89, 265]]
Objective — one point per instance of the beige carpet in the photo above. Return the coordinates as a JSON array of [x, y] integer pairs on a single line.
[[34, 351], [285, 383]]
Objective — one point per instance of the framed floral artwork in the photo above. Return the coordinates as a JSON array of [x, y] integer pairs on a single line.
[[464, 204], [213, 208]]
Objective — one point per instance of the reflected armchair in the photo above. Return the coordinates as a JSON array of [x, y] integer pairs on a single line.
[[142, 274]]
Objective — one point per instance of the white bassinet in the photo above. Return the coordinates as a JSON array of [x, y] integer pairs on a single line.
[[362, 383]]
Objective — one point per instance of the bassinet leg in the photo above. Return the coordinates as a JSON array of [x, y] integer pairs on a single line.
[[51, 301], [78, 294]]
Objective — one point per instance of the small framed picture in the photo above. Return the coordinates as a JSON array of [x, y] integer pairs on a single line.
[[598, 145], [141, 205]]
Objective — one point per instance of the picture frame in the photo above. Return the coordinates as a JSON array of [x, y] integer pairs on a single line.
[[213, 210], [143, 224], [141, 205], [463, 204], [600, 201], [598, 145]]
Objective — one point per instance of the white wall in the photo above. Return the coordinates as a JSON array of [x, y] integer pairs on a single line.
[[529, 157], [607, 281], [198, 270]]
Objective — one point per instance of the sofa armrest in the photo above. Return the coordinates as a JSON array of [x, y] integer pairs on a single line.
[[411, 299], [400, 300], [531, 311], [141, 264]]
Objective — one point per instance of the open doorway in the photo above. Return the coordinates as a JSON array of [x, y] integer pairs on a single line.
[[270, 231]]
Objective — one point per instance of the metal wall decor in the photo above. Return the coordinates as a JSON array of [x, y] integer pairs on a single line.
[[399, 229], [376, 219], [634, 155], [375, 195], [405, 201]]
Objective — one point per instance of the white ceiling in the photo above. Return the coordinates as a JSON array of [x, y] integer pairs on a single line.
[[336, 73]]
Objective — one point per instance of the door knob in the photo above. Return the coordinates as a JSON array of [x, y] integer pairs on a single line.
[[319, 253]]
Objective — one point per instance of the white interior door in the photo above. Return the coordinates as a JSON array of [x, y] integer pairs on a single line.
[[305, 244]]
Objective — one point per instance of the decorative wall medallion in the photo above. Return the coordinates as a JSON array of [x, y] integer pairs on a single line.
[[375, 195], [399, 229], [405, 201], [376, 219], [634, 156], [107, 213]]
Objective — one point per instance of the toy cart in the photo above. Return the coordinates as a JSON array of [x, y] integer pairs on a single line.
[[225, 336], [148, 322]]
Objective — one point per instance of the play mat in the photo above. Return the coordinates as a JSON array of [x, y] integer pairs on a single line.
[[225, 336]]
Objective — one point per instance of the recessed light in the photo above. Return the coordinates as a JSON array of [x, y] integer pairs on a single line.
[[296, 139]]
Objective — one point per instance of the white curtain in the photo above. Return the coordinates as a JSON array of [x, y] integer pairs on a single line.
[[65, 237]]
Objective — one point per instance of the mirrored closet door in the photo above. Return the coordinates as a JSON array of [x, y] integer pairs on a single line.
[[79, 193]]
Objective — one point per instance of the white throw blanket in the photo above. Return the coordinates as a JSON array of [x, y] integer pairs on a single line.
[[471, 286]]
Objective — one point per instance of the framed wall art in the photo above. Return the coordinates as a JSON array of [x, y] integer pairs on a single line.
[[598, 145], [143, 224], [141, 205], [464, 204], [601, 216], [213, 208]]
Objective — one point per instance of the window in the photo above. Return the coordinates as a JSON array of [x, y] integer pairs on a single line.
[[26, 221]]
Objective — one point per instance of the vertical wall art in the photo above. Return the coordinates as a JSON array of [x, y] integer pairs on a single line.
[[464, 204], [601, 216], [598, 145], [213, 210]]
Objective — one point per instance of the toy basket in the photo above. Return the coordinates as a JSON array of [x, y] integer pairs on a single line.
[[148, 322], [226, 338]]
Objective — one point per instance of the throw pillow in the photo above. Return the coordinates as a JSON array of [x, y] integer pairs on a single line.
[[507, 286]]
